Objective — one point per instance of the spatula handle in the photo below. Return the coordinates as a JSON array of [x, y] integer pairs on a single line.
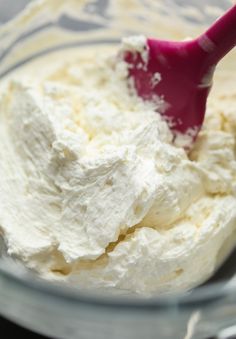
[[220, 38]]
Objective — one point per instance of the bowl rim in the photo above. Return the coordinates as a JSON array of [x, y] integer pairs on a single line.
[[66, 293]]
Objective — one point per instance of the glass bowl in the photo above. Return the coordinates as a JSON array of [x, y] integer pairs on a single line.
[[66, 312]]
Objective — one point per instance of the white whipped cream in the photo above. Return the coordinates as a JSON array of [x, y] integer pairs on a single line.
[[93, 192]]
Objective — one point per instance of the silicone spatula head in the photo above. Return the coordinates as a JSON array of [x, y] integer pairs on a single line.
[[180, 73]]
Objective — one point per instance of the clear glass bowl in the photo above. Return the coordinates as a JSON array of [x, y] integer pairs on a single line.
[[62, 312]]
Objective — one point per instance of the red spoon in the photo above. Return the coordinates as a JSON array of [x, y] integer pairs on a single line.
[[186, 70]]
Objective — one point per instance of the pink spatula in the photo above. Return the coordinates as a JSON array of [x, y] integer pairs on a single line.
[[186, 70]]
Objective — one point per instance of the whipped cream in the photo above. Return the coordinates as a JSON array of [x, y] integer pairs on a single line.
[[92, 190]]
